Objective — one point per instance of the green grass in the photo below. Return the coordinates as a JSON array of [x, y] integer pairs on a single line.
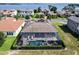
[[69, 40], [7, 44]]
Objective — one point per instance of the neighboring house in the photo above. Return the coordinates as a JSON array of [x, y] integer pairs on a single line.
[[8, 12], [73, 24], [36, 31], [77, 11], [46, 12], [60, 13], [10, 26], [24, 12], [66, 13]]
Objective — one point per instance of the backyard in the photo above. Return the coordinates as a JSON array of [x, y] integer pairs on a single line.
[[69, 40]]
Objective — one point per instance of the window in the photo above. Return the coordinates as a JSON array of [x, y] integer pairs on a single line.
[[9, 33], [39, 35]]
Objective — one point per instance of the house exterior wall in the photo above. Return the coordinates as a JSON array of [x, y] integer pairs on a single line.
[[14, 13], [73, 26], [8, 32], [18, 30], [15, 33], [41, 35], [24, 13]]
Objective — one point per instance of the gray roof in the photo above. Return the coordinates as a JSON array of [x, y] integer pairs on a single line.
[[74, 18], [39, 27]]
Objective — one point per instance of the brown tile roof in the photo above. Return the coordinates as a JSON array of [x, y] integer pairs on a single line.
[[10, 24], [39, 27]]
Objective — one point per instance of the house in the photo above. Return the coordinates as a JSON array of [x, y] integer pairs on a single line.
[[60, 13], [24, 12], [77, 11], [73, 24], [45, 12], [8, 12], [10, 26], [37, 32]]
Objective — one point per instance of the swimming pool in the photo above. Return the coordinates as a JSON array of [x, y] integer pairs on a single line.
[[36, 43]]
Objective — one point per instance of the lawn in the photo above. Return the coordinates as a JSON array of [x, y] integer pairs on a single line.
[[7, 44], [69, 40]]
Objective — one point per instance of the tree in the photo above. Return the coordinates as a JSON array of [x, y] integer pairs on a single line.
[[70, 7], [49, 17], [17, 16], [49, 6], [36, 16], [27, 17], [0, 17], [39, 9], [41, 16], [2, 36], [35, 10], [52, 8]]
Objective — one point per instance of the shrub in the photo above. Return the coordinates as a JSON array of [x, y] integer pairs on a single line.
[[2, 36], [27, 17], [54, 16], [37, 16], [49, 17]]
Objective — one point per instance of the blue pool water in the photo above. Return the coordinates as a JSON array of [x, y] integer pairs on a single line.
[[36, 43]]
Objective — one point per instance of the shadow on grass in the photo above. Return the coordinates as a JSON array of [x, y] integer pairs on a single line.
[[67, 30], [1, 43]]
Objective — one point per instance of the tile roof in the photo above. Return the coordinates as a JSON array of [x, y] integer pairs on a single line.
[[10, 24], [39, 27]]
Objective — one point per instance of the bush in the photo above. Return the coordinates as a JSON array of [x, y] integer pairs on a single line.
[[37, 16], [27, 17], [49, 17], [54, 16], [2, 36], [38, 47]]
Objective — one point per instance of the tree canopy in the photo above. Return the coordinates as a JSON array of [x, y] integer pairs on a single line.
[[2, 36], [52, 8]]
